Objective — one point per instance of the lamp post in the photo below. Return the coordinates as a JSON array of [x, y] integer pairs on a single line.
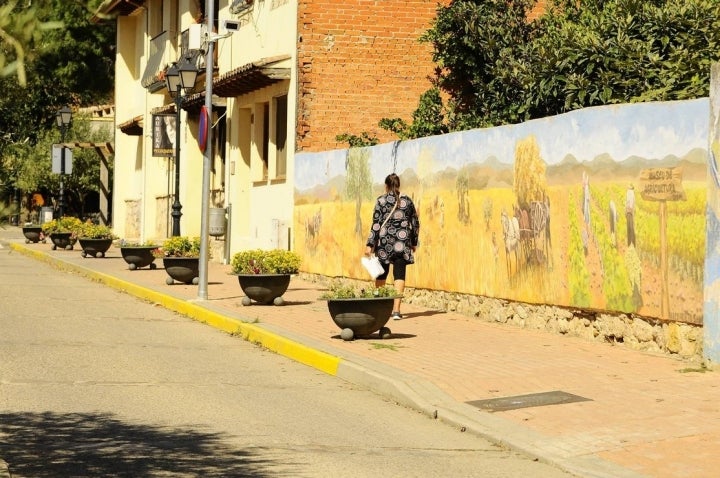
[[63, 118], [178, 79]]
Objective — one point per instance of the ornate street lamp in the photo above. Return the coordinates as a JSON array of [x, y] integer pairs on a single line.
[[178, 80], [63, 118]]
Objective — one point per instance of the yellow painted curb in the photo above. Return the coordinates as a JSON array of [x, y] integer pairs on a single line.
[[296, 351]]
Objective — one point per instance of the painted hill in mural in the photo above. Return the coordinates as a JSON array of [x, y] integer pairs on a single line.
[[492, 173], [603, 168]]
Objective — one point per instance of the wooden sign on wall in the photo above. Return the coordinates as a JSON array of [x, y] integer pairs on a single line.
[[662, 184]]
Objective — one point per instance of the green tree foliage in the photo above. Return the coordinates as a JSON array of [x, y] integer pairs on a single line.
[[355, 141], [598, 52], [51, 55], [33, 164], [479, 47], [19, 29], [79, 57], [428, 118], [495, 67]]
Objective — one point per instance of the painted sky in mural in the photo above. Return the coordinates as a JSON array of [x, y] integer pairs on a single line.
[[639, 131]]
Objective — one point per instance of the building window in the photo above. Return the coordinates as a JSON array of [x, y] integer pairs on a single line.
[[204, 13], [265, 145], [281, 136], [155, 18], [270, 134]]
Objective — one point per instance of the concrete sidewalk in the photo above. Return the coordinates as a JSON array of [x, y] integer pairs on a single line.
[[625, 414]]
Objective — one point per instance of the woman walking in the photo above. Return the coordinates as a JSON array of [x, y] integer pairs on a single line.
[[394, 236]]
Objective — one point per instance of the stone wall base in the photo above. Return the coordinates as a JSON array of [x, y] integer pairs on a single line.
[[644, 334]]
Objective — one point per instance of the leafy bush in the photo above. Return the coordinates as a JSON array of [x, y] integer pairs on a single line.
[[258, 261], [64, 224], [341, 290], [89, 230], [179, 246], [498, 66]]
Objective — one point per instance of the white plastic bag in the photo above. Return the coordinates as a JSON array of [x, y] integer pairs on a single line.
[[372, 265]]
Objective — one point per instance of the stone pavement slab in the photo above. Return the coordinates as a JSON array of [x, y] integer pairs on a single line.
[[645, 414]]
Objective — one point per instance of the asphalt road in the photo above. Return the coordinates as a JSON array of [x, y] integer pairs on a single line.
[[94, 382]]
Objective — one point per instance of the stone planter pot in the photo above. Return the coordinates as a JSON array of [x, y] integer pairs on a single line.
[[182, 269], [263, 288], [361, 317], [139, 256], [94, 247], [33, 234], [62, 240]]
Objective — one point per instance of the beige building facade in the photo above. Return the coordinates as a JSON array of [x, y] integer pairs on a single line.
[[288, 76]]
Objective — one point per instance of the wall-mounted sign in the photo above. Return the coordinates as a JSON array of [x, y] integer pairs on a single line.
[[58, 157], [662, 184], [163, 134]]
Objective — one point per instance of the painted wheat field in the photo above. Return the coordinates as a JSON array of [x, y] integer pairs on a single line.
[[580, 261]]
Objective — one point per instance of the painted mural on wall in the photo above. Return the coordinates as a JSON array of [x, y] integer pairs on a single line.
[[602, 208], [711, 316]]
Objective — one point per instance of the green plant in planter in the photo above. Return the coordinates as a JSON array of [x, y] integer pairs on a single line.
[[65, 224], [259, 261], [341, 290], [179, 246], [89, 230]]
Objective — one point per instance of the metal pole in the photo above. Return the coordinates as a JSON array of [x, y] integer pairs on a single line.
[[207, 159], [176, 207], [61, 201]]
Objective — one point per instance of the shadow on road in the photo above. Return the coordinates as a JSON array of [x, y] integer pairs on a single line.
[[94, 445]]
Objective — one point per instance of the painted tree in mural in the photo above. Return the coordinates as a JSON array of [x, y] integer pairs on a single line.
[[529, 182], [358, 181]]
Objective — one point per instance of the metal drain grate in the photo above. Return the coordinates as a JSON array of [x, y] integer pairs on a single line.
[[501, 404]]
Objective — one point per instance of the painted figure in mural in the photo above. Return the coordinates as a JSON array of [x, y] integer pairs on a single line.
[[548, 235], [312, 227], [613, 221], [511, 238], [540, 225], [630, 214], [394, 236]]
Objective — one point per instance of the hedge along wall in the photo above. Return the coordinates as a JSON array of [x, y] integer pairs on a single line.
[[563, 180]]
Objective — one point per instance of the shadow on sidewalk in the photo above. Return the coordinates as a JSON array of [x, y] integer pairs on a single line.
[[425, 313], [393, 336]]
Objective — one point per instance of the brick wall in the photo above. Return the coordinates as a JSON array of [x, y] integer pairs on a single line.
[[359, 61]]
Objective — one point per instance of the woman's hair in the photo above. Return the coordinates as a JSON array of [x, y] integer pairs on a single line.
[[392, 182]]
